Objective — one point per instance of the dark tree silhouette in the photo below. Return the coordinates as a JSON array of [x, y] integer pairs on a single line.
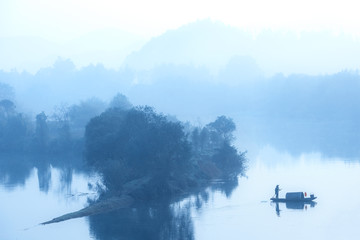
[[120, 101], [41, 131], [138, 142]]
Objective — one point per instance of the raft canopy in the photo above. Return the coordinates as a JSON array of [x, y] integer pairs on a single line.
[[294, 195]]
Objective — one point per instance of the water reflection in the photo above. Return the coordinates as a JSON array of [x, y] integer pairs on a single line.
[[44, 177], [300, 205], [66, 179], [226, 210], [16, 169], [158, 221], [34, 188], [293, 206], [170, 219], [277, 209], [226, 187]]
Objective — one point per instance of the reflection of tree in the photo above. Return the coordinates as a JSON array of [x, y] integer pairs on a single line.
[[227, 187], [163, 220], [44, 177], [200, 199], [66, 178], [14, 170], [157, 222]]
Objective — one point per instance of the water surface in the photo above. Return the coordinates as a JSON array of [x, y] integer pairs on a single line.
[[223, 211], [248, 212]]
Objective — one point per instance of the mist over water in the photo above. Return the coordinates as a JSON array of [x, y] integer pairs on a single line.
[[289, 100], [215, 212], [250, 214]]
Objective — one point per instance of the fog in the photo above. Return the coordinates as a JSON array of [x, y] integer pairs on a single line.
[[201, 64], [204, 69], [205, 43], [162, 122], [31, 53]]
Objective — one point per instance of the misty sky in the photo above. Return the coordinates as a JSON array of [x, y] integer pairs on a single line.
[[62, 20], [308, 36]]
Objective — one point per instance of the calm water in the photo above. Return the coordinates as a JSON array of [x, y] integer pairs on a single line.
[[249, 214], [243, 211]]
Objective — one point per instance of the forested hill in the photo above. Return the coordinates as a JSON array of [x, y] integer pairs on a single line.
[[321, 103], [125, 145], [147, 160]]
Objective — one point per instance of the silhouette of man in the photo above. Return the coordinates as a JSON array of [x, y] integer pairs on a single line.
[[277, 189]]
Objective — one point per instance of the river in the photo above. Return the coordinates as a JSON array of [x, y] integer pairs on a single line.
[[34, 193]]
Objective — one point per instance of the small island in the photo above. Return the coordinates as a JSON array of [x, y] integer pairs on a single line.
[[145, 157]]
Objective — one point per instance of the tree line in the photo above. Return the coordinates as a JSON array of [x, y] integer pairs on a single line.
[[59, 132]]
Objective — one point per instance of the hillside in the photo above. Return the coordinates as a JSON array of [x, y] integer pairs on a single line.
[[213, 44]]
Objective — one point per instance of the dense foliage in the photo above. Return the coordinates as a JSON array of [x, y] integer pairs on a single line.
[[125, 145], [129, 144], [14, 127], [61, 132]]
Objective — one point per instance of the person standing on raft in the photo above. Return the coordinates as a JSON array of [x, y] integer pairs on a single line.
[[277, 189]]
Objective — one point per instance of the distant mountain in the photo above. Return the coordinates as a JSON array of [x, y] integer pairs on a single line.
[[204, 43], [213, 44], [201, 43], [106, 46]]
